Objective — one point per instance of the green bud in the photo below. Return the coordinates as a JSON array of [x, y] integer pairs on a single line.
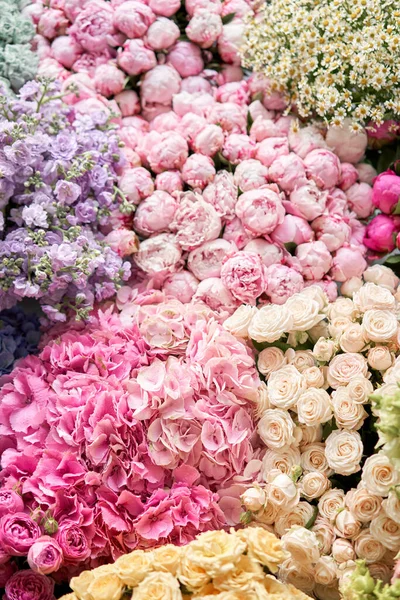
[[50, 525]]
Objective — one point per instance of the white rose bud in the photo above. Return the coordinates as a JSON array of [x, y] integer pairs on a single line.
[[325, 570], [282, 491], [269, 323], [276, 428], [368, 548], [352, 339], [254, 498], [348, 414], [391, 506], [301, 359], [380, 358], [379, 474], [313, 485], [363, 505], [386, 531], [305, 312], [314, 377], [351, 286], [323, 529], [238, 323], [338, 325], [346, 525], [342, 307], [344, 451], [302, 544], [382, 276], [344, 367], [285, 387], [270, 360], [331, 503], [314, 407], [360, 389], [324, 349], [342, 550]]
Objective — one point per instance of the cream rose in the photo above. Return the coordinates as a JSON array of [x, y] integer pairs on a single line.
[[348, 414], [80, 584], [313, 485], [314, 407], [368, 548], [269, 323], [305, 312], [325, 570], [381, 571], [344, 451], [342, 307], [262, 402], [313, 458], [310, 434], [314, 377], [379, 474], [216, 552], [262, 546], [238, 323], [380, 358], [241, 580], [192, 576], [331, 503], [270, 359], [132, 568], [372, 296], [343, 551], [324, 349], [302, 545], [281, 490], [352, 339], [382, 276], [363, 505], [337, 326], [323, 529], [316, 293], [254, 498], [167, 558], [301, 359], [379, 325], [107, 586], [268, 514], [386, 531], [346, 525], [302, 578], [285, 387], [344, 367], [158, 586], [283, 459], [351, 286], [360, 388], [319, 331], [276, 428], [299, 516], [391, 506], [392, 375]]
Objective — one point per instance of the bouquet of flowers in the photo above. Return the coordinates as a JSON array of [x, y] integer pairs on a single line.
[[326, 59], [18, 63], [57, 190], [321, 363], [217, 565]]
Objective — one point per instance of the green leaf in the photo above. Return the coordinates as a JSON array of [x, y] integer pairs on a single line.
[[228, 18], [311, 522], [397, 209], [249, 121], [393, 260], [386, 158]]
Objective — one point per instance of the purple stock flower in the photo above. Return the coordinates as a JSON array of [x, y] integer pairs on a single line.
[[67, 192], [64, 146]]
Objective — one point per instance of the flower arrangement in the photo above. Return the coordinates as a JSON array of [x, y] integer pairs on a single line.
[[57, 189], [19, 336], [330, 59], [218, 565], [321, 363], [234, 202], [18, 63], [120, 437], [107, 48]]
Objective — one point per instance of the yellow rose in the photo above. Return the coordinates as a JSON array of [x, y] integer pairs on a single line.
[[242, 578], [158, 586], [167, 558], [192, 576], [263, 546], [132, 568], [71, 596], [80, 585], [106, 586], [216, 552]]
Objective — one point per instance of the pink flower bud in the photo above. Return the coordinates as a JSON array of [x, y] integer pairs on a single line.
[[216, 295], [206, 260], [244, 275], [238, 147], [109, 80], [136, 184], [288, 172], [366, 173], [155, 213], [292, 230], [250, 174], [260, 210], [348, 177], [169, 181], [196, 83], [168, 121], [181, 286], [305, 140], [204, 28], [133, 18], [66, 50], [198, 171], [209, 140], [359, 196], [228, 74], [165, 8], [307, 201], [282, 282], [348, 262], [236, 233], [186, 58], [159, 255], [229, 42], [271, 148], [350, 146], [135, 58], [315, 259], [332, 230], [270, 254], [386, 191], [380, 233], [128, 102], [222, 193], [52, 23], [162, 34], [323, 167], [197, 103], [159, 85], [236, 91], [170, 152], [239, 7], [193, 6]]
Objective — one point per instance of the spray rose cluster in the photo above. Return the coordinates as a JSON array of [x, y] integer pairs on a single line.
[[321, 486], [107, 47], [57, 189], [128, 433], [383, 232], [216, 565]]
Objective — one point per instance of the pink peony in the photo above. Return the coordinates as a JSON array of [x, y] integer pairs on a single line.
[[332, 230], [386, 191], [128, 103], [193, 6], [45, 555], [136, 184], [235, 91], [216, 295], [198, 171], [307, 201], [236, 233], [315, 259], [270, 254], [222, 193], [381, 232], [135, 58], [159, 85], [292, 230], [229, 116], [92, 25], [282, 283], [206, 260], [155, 213], [165, 8], [123, 241], [323, 167], [159, 255], [162, 34], [66, 50], [195, 221], [197, 103], [244, 275], [366, 173], [260, 210], [347, 263], [170, 152], [348, 145], [109, 80], [191, 124], [270, 149], [360, 196], [133, 18], [196, 83], [169, 181], [186, 58], [238, 147], [204, 28], [209, 140], [52, 23], [181, 286], [250, 174], [288, 172], [305, 140], [229, 42], [348, 177]]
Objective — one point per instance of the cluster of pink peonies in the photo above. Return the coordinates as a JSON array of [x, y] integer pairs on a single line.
[[321, 486], [103, 48], [383, 232], [234, 202], [117, 437]]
